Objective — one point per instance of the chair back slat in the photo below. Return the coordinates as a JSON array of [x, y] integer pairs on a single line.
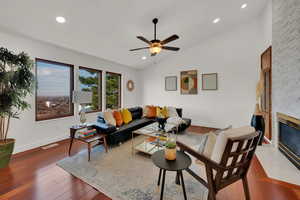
[[237, 157], [223, 162]]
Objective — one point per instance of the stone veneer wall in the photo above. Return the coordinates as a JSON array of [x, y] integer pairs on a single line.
[[286, 60]]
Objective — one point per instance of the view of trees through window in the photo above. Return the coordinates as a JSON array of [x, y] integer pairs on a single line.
[[53, 89], [90, 81], [113, 90]]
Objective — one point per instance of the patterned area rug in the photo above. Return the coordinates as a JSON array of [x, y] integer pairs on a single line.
[[122, 175]]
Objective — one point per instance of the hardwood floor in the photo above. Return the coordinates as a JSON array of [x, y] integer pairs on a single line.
[[34, 175]]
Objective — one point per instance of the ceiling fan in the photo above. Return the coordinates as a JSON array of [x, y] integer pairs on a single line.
[[155, 45]]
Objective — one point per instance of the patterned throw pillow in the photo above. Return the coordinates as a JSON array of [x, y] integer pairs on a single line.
[[118, 117], [126, 115], [164, 112], [207, 145], [158, 111]]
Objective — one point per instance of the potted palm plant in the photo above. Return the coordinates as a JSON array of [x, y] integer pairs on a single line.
[[16, 81]]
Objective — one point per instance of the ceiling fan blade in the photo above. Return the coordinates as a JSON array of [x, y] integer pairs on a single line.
[[153, 54], [169, 39], [171, 48], [144, 39], [139, 48]]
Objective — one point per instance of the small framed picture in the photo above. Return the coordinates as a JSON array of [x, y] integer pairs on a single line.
[[171, 83], [189, 82], [210, 81]]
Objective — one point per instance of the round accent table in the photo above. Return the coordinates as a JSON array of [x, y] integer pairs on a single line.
[[182, 162]]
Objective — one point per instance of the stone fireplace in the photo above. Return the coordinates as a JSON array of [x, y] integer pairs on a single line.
[[289, 137]]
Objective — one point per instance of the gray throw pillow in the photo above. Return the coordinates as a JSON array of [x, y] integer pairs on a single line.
[[204, 140], [202, 144]]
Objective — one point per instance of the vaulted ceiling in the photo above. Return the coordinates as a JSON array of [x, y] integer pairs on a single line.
[[108, 28]]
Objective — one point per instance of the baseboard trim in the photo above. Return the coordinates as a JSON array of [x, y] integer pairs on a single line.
[[39, 144], [36, 149], [267, 140]]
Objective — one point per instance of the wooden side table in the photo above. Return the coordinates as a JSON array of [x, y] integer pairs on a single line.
[[101, 138]]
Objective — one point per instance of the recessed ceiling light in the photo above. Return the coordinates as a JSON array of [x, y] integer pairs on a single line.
[[244, 6], [144, 57], [216, 20], [60, 19]]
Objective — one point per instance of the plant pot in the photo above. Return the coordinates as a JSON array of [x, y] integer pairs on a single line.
[[6, 150], [170, 154]]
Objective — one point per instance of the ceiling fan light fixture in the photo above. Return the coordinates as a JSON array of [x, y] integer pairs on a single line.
[[155, 48]]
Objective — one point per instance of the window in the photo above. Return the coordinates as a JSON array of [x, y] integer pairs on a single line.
[[113, 90], [90, 81], [54, 87]]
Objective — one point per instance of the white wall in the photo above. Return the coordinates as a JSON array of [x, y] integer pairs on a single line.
[[29, 133], [235, 56], [266, 24]]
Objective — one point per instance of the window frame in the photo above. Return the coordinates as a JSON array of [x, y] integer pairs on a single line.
[[120, 89], [99, 89], [71, 89]]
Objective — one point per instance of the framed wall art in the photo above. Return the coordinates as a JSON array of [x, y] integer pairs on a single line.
[[189, 82], [210, 81], [171, 83]]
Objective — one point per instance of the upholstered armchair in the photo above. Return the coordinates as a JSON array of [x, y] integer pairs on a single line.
[[231, 166]]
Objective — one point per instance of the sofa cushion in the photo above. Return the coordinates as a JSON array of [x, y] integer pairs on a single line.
[[136, 112], [179, 112], [104, 128], [133, 125]]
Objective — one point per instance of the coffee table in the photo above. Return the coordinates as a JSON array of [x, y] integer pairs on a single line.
[[182, 162], [149, 146]]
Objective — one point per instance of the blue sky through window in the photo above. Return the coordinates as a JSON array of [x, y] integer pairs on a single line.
[[52, 79]]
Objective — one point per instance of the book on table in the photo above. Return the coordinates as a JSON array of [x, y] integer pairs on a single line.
[[86, 133]]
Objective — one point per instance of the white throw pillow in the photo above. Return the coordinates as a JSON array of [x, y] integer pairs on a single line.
[[175, 120], [222, 139], [145, 111], [172, 112], [109, 117]]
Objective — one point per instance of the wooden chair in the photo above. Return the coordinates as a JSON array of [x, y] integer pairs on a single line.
[[234, 164]]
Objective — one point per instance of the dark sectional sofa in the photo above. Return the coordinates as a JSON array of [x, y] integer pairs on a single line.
[[116, 135]]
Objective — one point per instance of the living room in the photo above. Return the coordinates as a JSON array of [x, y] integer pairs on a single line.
[[214, 68]]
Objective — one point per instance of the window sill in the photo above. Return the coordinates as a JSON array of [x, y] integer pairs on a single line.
[[53, 118]]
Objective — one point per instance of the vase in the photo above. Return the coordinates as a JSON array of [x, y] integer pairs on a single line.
[[6, 150], [258, 123], [82, 117], [170, 154]]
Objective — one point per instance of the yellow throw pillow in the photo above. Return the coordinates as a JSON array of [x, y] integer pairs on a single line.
[[158, 112], [126, 115], [164, 112]]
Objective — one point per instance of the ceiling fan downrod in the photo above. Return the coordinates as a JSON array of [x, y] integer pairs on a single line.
[[155, 20]]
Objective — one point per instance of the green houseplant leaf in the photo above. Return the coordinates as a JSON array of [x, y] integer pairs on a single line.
[[16, 82]]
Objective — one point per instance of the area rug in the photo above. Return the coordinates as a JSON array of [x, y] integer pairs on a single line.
[[122, 175]]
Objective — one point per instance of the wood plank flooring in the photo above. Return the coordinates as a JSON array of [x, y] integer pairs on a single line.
[[33, 175]]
